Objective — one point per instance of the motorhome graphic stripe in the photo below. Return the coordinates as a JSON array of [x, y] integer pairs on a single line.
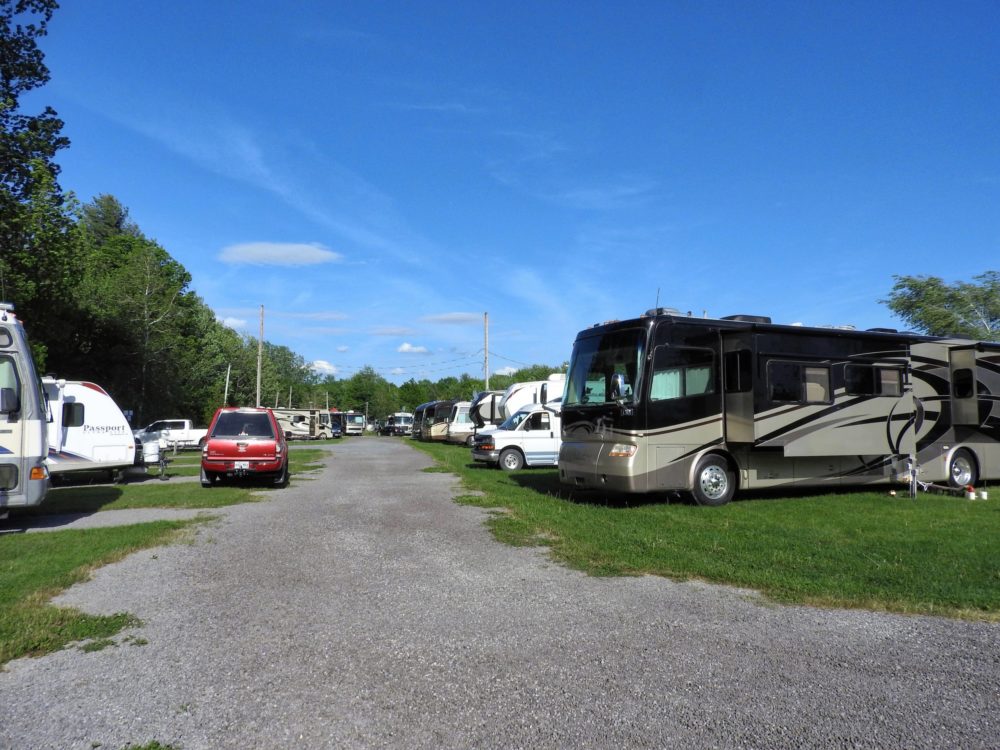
[[696, 451], [5, 451], [669, 431]]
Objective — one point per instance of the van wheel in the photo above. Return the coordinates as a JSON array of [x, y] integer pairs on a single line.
[[511, 460], [962, 469], [470, 442], [714, 482]]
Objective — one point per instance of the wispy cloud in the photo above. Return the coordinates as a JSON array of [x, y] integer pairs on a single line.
[[323, 315], [392, 331], [454, 318], [407, 348], [235, 323], [343, 349], [278, 254]]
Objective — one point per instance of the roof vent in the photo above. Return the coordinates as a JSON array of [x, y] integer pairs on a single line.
[[748, 318]]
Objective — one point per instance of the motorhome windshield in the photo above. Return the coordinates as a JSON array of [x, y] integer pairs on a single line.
[[596, 362]]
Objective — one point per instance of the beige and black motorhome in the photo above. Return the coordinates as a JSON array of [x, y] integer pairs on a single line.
[[24, 478], [666, 402]]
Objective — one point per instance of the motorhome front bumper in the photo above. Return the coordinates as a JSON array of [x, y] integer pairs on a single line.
[[586, 465]]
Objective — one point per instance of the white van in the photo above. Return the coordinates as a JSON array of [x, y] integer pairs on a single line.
[[86, 429], [529, 437]]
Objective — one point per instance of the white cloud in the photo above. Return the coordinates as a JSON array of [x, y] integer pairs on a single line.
[[454, 318], [397, 371], [234, 323], [343, 349], [278, 254], [324, 368], [407, 348], [508, 370]]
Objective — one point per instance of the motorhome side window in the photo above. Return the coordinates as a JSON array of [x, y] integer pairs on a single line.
[[871, 380], [797, 383], [8, 375], [680, 372], [963, 384]]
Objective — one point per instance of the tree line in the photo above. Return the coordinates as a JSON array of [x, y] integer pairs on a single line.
[[103, 302]]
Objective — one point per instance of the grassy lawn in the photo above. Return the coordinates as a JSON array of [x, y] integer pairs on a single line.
[[301, 460], [36, 567], [936, 555]]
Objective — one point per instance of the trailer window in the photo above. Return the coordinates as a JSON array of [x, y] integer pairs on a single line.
[[796, 383], [681, 372], [963, 384]]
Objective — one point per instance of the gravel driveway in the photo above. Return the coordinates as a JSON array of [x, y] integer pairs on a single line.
[[365, 609]]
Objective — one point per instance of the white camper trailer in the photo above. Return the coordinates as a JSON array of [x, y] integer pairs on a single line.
[[530, 392], [86, 429], [24, 479]]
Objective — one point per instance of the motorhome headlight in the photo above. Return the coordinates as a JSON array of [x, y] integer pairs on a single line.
[[622, 450]]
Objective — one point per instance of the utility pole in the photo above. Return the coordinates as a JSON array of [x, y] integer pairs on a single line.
[[260, 352], [486, 350], [225, 397]]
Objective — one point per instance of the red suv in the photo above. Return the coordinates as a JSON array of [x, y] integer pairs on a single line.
[[244, 443]]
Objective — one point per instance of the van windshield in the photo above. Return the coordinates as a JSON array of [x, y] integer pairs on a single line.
[[514, 420], [242, 424]]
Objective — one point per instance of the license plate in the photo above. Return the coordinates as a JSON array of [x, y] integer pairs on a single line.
[[241, 465]]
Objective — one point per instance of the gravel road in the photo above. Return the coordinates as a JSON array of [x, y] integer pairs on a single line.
[[365, 609]]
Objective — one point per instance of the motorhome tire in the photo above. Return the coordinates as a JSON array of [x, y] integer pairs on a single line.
[[511, 460], [714, 482], [962, 469]]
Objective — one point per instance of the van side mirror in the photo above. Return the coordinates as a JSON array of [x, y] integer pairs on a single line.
[[9, 402]]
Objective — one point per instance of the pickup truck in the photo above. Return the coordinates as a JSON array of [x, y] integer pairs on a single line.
[[173, 432], [529, 437]]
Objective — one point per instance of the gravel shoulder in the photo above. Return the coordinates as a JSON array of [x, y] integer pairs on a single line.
[[365, 609]]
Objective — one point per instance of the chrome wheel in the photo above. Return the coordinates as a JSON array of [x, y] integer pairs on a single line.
[[715, 483], [962, 470]]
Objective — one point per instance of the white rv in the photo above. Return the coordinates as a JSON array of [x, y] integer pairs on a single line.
[[530, 392], [24, 478], [304, 424], [460, 426], [86, 429]]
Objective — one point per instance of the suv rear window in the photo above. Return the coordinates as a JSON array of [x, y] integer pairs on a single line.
[[237, 424]]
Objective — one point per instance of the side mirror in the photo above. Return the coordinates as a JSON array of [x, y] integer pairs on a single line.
[[618, 385], [9, 402]]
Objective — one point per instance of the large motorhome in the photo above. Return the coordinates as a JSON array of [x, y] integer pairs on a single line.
[[435, 425], [86, 429], [666, 402], [354, 423], [24, 478], [461, 429]]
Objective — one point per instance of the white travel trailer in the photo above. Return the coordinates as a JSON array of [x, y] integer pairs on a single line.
[[304, 424], [86, 429], [485, 409], [520, 395], [24, 478], [669, 403]]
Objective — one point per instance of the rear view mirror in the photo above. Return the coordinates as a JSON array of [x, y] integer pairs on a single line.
[[9, 402]]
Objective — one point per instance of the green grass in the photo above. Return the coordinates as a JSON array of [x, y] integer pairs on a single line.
[[188, 463], [35, 567], [935, 555], [149, 494]]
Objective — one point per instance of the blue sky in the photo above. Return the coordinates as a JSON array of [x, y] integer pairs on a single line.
[[380, 174]]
